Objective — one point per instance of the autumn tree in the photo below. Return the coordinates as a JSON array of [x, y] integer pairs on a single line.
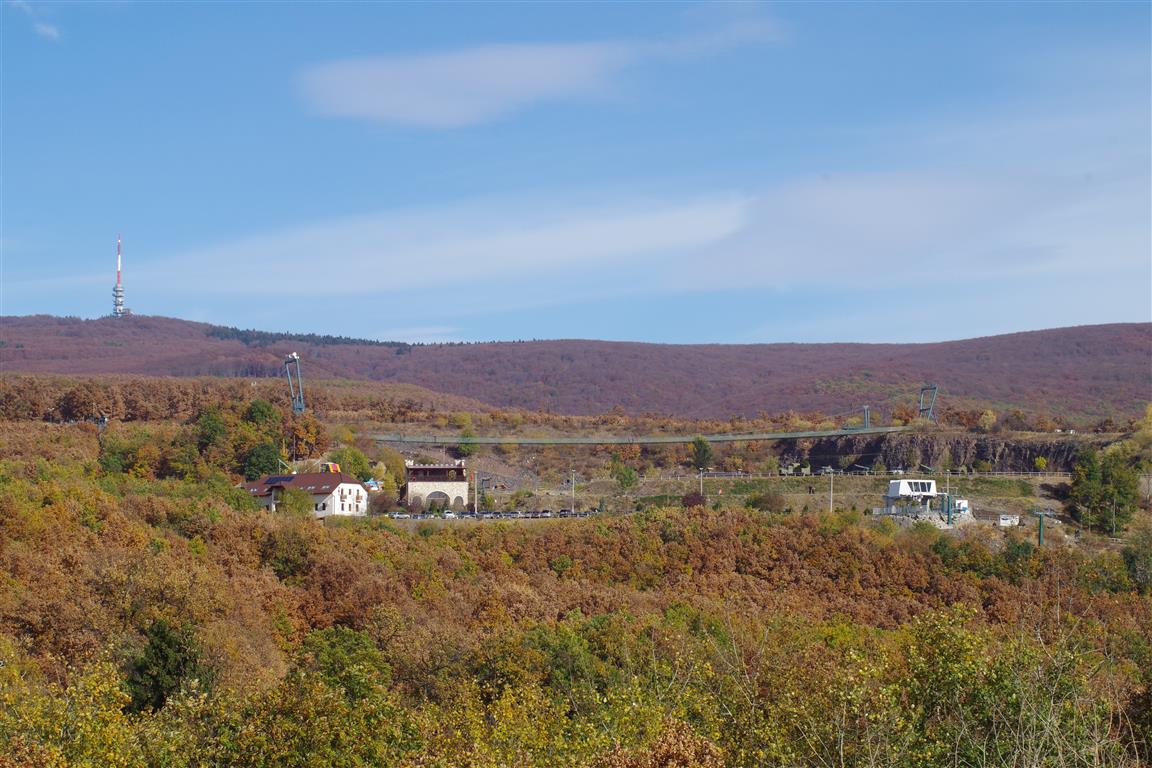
[[1138, 556], [768, 501], [694, 499], [385, 499], [306, 436], [902, 413], [86, 400]]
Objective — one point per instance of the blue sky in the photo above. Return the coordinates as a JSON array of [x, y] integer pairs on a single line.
[[645, 171]]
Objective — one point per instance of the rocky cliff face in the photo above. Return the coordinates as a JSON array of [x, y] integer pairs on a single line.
[[1005, 453]]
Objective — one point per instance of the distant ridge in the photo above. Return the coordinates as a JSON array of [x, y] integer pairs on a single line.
[[1080, 372]]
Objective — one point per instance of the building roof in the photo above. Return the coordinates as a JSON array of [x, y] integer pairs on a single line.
[[316, 483], [449, 465]]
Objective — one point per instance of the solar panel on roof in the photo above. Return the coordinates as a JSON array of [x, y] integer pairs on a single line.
[[276, 479]]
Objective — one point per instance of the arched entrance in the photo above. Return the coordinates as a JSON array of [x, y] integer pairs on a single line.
[[437, 500]]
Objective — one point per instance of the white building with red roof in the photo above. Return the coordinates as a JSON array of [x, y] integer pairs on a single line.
[[333, 493]]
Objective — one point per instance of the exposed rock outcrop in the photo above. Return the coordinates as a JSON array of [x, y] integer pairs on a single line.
[[944, 450]]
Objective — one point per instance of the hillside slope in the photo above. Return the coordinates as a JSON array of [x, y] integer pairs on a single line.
[[1083, 372]]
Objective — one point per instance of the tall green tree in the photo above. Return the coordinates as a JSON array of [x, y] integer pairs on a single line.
[[262, 460], [346, 659], [170, 656], [353, 461], [211, 429], [623, 474], [701, 453], [1105, 490], [262, 413], [467, 445]]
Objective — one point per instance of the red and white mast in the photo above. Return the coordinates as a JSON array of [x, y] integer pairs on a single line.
[[118, 308]]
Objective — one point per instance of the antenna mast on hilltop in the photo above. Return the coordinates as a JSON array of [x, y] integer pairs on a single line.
[[118, 308]]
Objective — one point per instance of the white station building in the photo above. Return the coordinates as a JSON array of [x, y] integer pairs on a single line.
[[910, 491], [917, 498]]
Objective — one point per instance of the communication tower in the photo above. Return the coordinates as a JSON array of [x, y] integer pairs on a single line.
[[118, 308]]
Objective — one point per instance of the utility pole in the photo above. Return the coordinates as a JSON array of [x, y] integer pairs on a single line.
[[475, 493], [1041, 513], [700, 474], [831, 486], [572, 481]]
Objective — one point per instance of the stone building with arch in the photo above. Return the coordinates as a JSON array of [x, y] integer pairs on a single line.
[[445, 485]]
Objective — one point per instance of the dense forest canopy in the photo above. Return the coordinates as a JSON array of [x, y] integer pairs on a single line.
[[1080, 375], [163, 620]]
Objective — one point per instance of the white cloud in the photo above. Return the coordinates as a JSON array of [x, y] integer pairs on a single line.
[[482, 84], [47, 31], [43, 29], [445, 248], [920, 229], [461, 87], [924, 238]]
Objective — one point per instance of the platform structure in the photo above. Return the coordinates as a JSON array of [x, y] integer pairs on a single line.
[[914, 499], [444, 485]]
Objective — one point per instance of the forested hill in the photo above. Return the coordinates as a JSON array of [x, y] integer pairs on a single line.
[[1086, 372]]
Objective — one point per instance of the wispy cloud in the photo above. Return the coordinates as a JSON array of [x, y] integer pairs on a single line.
[[445, 247], [461, 87], [1038, 212], [998, 204], [47, 31], [484, 83], [41, 28]]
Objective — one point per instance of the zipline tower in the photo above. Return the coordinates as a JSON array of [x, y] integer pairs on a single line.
[[295, 382], [118, 308], [928, 403]]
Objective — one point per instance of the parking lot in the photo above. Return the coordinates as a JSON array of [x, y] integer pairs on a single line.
[[518, 515]]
